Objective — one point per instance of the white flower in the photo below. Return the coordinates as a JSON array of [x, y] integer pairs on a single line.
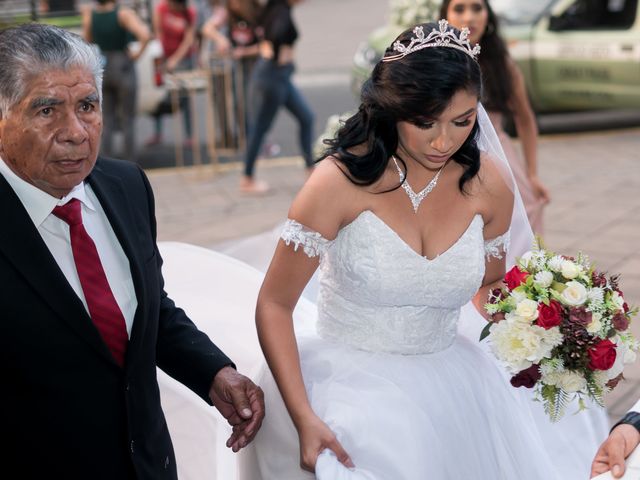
[[552, 337], [524, 259], [555, 263], [571, 381], [570, 270], [513, 318], [520, 345], [518, 296], [527, 309], [596, 296], [575, 294], [539, 258], [617, 300], [596, 323], [551, 378], [492, 308], [543, 279]]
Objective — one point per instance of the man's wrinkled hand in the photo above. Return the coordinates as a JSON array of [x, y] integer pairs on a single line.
[[612, 453], [241, 402]]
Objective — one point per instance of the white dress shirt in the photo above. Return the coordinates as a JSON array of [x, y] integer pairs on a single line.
[[55, 233]]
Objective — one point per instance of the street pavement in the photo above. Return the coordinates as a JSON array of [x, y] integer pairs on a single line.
[[594, 177]]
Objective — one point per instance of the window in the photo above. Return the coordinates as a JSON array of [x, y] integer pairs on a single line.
[[596, 15]]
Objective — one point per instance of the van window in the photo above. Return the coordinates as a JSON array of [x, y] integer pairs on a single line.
[[596, 15]]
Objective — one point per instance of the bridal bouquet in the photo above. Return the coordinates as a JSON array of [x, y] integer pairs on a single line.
[[562, 328]]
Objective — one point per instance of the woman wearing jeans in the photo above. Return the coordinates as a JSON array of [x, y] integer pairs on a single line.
[[271, 88]]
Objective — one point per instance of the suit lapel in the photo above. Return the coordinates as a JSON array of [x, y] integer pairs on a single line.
[[117, 207], [24, 248]]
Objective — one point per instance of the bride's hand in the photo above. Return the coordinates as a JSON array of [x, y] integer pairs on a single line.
[[315, 436]]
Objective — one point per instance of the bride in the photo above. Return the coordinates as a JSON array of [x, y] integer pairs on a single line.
[[408, 219]]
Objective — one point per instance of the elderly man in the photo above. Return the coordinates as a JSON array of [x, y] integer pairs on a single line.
[[623, 439], [85, 319]]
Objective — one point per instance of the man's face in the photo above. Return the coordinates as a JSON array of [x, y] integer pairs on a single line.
[[51, 137]]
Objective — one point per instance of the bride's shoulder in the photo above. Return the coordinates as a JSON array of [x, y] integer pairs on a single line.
[[325, 201]]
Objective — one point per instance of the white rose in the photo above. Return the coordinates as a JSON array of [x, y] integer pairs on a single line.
[[543, 279], [555, 263], [527, 309], [570, 270], [575, 294], [571, 382], [524, 259], [596, 323]]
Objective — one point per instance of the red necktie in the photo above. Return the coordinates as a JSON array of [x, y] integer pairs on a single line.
[[103, 309]]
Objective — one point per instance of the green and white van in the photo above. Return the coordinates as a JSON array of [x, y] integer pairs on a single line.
[[574, 54]]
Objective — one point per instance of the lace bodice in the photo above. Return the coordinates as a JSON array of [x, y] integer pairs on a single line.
[[377, 294]]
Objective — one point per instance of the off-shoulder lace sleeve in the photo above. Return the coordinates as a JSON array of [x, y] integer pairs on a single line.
[[497, 247], [313, 244]]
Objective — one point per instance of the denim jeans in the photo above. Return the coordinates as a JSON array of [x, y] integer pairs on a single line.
[[270, 88], [119, 89]]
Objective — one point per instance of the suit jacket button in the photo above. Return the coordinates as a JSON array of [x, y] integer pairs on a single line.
[[127, 387], [132, 446]]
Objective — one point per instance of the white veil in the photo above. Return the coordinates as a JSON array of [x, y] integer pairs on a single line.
[[471, 321], [521, 233]]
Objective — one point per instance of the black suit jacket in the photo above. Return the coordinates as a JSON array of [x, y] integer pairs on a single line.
[[68, 410]]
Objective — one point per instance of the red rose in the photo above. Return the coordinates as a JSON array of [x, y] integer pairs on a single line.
[[602, 355], [515, 277], [549, 315], [527, 378], [620, 321]]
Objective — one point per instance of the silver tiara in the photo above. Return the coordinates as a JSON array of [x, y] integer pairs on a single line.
[[444, 37]]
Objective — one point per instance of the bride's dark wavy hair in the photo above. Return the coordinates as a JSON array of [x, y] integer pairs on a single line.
[[413, 89]]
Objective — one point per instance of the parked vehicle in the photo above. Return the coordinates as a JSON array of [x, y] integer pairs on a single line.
[[574, 54]]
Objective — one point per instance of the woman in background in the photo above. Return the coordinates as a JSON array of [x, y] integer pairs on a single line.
[[271, 88], [234, 33], [505, 93], [112, 27], [175, 25]]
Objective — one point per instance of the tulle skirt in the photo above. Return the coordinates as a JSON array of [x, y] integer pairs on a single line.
[[448, 415]]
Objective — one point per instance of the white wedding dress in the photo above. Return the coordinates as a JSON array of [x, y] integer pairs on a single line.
[[406, 396]]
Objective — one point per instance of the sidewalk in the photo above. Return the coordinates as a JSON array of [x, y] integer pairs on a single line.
[[594, 180]]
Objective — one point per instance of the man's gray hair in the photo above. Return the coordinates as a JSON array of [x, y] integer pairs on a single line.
[[31, 49]]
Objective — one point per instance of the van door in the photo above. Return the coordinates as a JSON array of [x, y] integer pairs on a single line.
[[587, 55]]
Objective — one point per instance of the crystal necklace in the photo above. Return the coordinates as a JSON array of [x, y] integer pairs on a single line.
[[417, 198]]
